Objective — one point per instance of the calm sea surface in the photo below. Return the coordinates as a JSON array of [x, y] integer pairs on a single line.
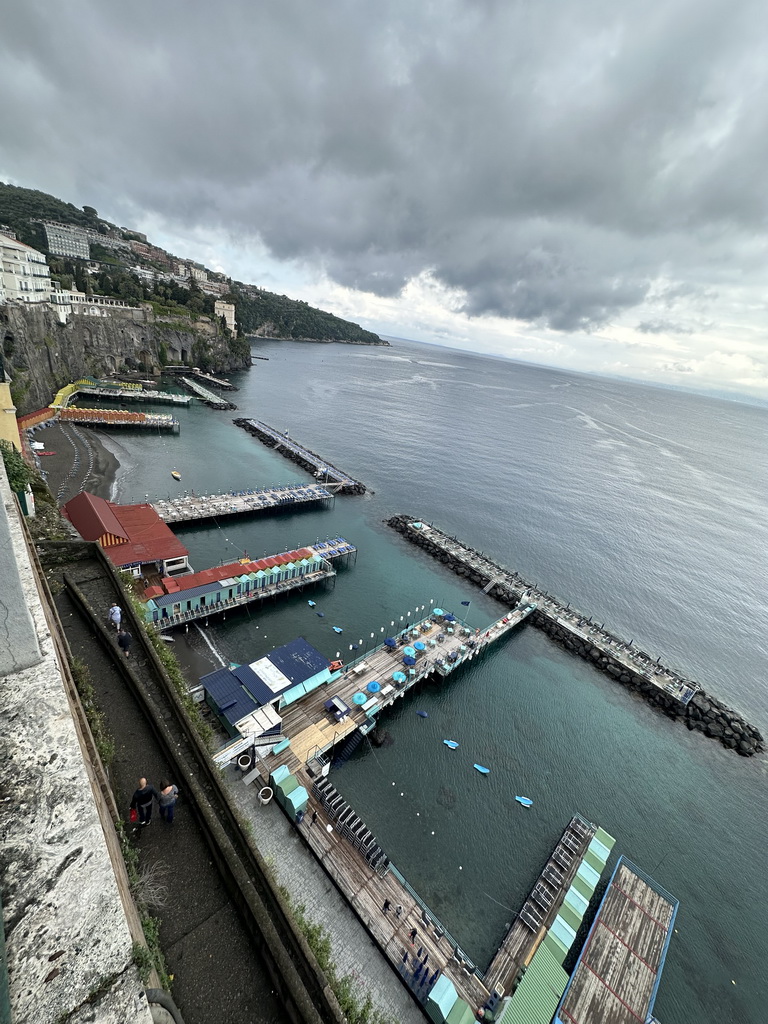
[[642, 507]]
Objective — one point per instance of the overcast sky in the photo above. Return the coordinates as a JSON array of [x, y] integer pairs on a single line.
[[579, 183]]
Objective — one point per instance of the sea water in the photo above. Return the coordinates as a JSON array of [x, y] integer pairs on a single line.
[[641, 506]]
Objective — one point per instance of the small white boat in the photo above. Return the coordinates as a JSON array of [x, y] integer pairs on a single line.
[[524, 800]]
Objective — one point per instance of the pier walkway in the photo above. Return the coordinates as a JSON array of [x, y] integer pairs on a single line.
[[447, 645], [624, 655], [120, 418], [207, 378], [190, 508], [179, 617], [206, 396], [131, 395], [331, 477]]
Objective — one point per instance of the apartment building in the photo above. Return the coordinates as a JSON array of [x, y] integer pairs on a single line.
[[24, 275], [67, 240], [227, 310]]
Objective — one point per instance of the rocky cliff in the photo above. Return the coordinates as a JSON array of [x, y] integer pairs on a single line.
[[41, 354]]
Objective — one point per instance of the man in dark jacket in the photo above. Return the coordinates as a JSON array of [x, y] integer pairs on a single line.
[[124, 641], [142, 801]]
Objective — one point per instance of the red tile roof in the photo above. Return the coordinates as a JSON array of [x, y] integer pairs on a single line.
[[146, 537]]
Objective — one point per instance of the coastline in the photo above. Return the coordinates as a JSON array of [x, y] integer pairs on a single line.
[[82, 462]]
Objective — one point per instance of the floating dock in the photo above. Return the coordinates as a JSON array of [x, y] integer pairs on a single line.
[[618, 972], [119, 418], [206, 396], [331, 477], [190, 508]]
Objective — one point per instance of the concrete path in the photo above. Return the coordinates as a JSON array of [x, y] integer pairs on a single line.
[[354, 952]]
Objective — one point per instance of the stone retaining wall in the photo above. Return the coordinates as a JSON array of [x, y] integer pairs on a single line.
[[703, 713]]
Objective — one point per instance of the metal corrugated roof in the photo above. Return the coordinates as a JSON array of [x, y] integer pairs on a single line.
[[536, 997]]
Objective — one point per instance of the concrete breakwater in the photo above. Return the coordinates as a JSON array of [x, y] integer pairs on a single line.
[[678, 698], [329, 475]]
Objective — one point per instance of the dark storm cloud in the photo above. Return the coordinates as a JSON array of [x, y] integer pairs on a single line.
[[548, 160]]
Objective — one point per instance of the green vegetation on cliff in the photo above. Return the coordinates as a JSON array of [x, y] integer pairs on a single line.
[[276, 316], [257, 311]]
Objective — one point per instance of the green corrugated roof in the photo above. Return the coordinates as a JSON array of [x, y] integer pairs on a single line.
[[577, 900], [557, 948], [570, 916], [602, 837], [594, 860], [583, 886], [536, 997]]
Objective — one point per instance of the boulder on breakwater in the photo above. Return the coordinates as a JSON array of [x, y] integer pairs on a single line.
[[703, 713]]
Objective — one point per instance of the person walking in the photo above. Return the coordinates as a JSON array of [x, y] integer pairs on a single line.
[[142, 801], [386, 906], [115, 614], [166, 800], [124, 641], [399, 909]]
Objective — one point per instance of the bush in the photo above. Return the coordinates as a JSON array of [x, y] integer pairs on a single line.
[[19, 473]]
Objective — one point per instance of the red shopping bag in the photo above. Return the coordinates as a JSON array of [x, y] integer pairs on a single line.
[[134, 815]]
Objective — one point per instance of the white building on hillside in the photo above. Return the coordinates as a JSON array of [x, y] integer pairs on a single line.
[[67, 240], [24, 275], [227, 310]]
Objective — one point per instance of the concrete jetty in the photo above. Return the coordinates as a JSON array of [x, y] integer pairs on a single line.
[[206, 396], [331, 477], [190, 508], [206, 378], [679, 698]]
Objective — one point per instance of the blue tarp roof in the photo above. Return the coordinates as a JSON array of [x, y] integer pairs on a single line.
[[298, 661], [229, 695]]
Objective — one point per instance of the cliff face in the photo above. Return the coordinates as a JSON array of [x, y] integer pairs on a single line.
[[41, 354]]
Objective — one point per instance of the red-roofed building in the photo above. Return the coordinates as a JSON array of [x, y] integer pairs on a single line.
[[133, 537]]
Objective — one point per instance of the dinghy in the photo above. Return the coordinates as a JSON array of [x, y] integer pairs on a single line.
[[337, 629], [451, 743], [422, 714], [311, 604], [481, 769], [524, 800]]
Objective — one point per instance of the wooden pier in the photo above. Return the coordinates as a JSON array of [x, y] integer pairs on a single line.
[[331, 477], [206, 396], [190, 508], [206, 378], [114, 394], [119, 418], [448, 645], [541, 907], [179, 617], [509, 585]]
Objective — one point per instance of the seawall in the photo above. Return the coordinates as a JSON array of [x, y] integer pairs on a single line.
[[678, 698]]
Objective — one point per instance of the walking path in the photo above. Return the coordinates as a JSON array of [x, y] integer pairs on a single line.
[[354, 951]]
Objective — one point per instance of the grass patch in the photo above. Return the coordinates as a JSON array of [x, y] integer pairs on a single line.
[[355, 1010], [105, 744]]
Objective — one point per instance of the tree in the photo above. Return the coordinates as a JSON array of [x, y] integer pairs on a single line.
[[18, 471], [90, 212]]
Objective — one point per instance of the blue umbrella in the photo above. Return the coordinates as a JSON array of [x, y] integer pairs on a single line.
[[373, 686], [438, 611], [449, 617], [359, 698], [399, 677], [420, 646], [390, 641], [410, 651], [408, 660]]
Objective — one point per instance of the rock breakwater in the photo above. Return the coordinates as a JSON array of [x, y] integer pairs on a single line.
[[680, 699]]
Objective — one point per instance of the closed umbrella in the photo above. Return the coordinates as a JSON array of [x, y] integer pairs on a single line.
[[420, 646], [373, 686], [408, 660]]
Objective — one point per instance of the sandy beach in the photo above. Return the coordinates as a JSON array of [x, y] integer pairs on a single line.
[[81, 461]]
